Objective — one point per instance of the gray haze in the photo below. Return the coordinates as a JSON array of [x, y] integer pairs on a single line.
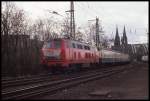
[[134, 15]]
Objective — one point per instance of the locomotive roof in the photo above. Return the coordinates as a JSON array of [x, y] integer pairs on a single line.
[[113, 51], [76, 41]]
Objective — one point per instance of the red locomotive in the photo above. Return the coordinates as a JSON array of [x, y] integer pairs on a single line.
[[64, 53]]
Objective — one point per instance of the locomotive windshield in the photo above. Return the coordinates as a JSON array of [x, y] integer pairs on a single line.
[[53, 50], [57, 44], [52, 44], [47, 45]]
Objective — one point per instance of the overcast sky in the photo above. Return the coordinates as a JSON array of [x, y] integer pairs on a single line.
[[134, 15]]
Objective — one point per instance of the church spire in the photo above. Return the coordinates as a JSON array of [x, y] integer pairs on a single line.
[[124, 38], [117, 38]]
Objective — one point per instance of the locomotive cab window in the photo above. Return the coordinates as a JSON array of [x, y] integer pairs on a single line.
[[47, 45], [73, 45], [86, 47], [79, 46], [57, 44]]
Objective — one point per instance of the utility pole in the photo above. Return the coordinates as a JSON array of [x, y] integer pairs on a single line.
[[97, 33], [72, 21]]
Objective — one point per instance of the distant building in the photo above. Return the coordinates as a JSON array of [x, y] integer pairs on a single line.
[[134, 50]]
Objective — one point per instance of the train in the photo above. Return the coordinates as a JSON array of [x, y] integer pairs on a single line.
[[113, 57], [65, 54]]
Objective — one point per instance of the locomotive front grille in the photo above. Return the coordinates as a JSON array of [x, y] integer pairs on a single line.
[[52, 58], [52, 55]]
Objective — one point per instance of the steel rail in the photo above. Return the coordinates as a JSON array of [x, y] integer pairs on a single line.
[[56, 85]]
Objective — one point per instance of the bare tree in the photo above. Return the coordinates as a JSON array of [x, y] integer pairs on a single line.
[[48, 29], [90, 34], [65, 27], [79, 35]]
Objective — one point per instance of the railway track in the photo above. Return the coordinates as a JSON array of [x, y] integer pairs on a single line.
[[7, 83], [5, 79], [29, 91], [24, 80]]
